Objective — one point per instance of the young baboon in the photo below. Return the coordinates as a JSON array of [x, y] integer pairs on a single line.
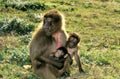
[[59, 56], [72, 47]]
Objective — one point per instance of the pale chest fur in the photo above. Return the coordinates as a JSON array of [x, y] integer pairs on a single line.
[[50, 49], [72, 51]]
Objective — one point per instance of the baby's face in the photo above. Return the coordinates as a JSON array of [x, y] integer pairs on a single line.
[[72, 42], [58, 53]]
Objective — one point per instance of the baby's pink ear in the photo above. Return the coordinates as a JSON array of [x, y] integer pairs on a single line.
[[66, 55]]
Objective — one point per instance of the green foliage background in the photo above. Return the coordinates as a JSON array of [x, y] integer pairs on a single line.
[[97, 22]]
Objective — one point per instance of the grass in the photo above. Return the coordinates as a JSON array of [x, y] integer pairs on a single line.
[[97, 22]]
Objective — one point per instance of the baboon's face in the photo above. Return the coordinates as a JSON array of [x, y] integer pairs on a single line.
[[51, 23]]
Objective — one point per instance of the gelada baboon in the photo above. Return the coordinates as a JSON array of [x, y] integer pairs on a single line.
[[46, 40], [72, 47], [59, 56]]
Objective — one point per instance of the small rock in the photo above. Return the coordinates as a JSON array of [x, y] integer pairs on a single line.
[[27, 67]]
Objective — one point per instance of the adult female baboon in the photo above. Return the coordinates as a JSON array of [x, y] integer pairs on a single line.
[[46, 40]]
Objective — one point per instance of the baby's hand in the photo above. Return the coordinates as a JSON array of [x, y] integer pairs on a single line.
[[66, 55]]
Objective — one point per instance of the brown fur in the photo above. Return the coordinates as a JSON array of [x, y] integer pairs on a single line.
[[73, 51], [43, 43]]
